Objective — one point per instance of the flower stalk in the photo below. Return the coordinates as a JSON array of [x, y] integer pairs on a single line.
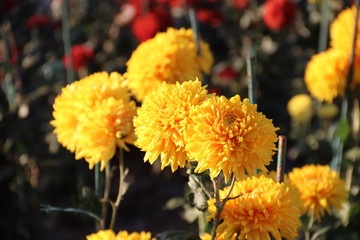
[[280, 169], [122, 188], [219, 204]]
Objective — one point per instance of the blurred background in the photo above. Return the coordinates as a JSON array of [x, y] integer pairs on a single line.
[[101, 35]]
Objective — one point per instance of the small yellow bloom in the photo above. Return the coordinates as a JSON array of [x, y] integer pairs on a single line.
[[327, 111], [207, 236], [325, 75], [230, 136], [93, 116], [261, 209], [162, 120], [170, 57], [320, 189], [300, 108], [122, 235]]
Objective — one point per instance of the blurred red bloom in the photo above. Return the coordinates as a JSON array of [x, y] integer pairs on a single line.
[[279, 14], [146, 26], [227, 73], [179, 3], [81, 56], [241, 4], [212, 17], [37, 21]]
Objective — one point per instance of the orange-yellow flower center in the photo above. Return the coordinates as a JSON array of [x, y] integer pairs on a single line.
[[229, 120]]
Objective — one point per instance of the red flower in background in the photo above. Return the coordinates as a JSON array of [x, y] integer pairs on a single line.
[[241, 4], [81, 56], [37, 21], [212, 17], [146, 26], [279, 14]]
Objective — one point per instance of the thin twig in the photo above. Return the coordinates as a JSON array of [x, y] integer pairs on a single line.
[[121, 190], [48, 208], [198, 181], [309, 226], [281, 157], [219, 204]]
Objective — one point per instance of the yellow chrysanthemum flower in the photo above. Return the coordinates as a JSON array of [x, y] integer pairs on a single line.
[[325, 75], [207, 236], [300, 108], [170, 57], [320, 188], [261, 209], [122, 235], [342, 31], [162, 119], [93, 116], [230, 136]]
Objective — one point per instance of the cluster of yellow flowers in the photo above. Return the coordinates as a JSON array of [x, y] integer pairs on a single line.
[[122, 235], [326, 73], [105, 99], [180, 122]]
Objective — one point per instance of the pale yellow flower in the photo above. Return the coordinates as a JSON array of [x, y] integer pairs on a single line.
[[320, 189], [162, 120], [170, 57], [230, 136], [261, 209], [300, 108]]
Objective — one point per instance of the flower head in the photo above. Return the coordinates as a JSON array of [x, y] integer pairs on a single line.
[[342, 31], [93, 116], [300, 107], [279, 14], [325, 75], [170, 57], [122, 235], [230, 136], [208, 236], [320, 188], [261, 209], [162, 119]]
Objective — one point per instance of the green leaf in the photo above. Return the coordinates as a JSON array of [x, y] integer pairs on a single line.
[[354, 210], [178, 235], [343, 129]]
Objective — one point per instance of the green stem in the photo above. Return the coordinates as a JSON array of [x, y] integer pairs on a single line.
[[48, 208], [105, 199], [97, 180], [324, 26], [309, 226], [252, 79], [67, 42]]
